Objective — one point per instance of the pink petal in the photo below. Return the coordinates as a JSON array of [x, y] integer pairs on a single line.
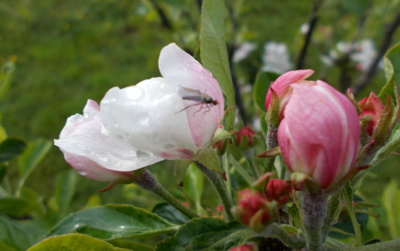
[[281, 84]]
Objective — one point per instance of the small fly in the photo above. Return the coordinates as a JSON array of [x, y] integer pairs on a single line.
[[200, 99]]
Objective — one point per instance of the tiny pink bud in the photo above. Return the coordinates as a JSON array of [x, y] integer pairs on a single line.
[[246, 137], [254, 210], [278, 190], [372, 107], [246, 247]]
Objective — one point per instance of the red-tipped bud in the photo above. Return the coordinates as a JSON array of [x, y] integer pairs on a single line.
[[371, 107], [278, 190], [246, 247], [246, 137], [254, 210]]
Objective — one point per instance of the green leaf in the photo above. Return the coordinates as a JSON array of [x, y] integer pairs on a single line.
[[209, 158], [131, 245], [389, 148], [207, 234], [213, 52], [15, 207], [170, 213], [5, 77], [193, 185], [263, 81], [3, 133], [390, 199], [348, 196], [114, 221], [16, 236], [75, 242], [392, 72], [31, 158], [11, 148], [65, 189]]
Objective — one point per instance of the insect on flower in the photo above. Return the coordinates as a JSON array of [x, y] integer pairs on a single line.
[[200, 99]]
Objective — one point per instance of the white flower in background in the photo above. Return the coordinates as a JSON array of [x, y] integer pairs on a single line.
[[169, 117], [243, 51], [362, 53], [276, 58], [304, 28]]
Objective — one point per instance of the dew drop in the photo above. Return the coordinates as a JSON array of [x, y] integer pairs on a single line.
[[143, 156], [134, 93], [102, 158], [83, 173], [144, 119]]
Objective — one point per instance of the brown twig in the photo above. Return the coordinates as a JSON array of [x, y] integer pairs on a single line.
[[365, 78], [307, 38]]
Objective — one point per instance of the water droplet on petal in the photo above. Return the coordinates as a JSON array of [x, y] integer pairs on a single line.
[[81, 172], [134, 93], [144, 119], [143, 156]]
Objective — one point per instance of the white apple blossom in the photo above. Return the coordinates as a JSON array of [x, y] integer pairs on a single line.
[[276, 58], [168, 117]]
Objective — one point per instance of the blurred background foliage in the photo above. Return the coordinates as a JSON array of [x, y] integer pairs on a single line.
[[66, 52]]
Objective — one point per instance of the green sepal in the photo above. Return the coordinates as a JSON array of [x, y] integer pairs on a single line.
[[272, 115], [383, 129], [209, 158], [391, 66], [180, 167], [221, 134]]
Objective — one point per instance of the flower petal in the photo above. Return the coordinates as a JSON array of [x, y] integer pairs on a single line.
[[147, 117], [182, 70]]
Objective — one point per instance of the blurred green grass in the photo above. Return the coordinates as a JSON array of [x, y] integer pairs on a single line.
[[71, 51]]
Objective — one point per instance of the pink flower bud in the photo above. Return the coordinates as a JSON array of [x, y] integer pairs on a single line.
[[319, 135], [245, 247], [278, 190], [93, 153], [245, 137], [254, 210], [372, 107]]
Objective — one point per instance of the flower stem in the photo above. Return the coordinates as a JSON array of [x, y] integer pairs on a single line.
[[332, 212], [145, 180], [314, 206], [290, 240], [216, 180]]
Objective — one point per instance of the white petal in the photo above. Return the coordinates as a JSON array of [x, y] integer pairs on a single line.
[[88, 140], [148, 117]]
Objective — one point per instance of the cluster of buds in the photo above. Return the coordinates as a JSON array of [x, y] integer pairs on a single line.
[[377, 121], [255, 210]]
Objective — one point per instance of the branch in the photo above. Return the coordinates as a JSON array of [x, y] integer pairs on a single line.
[[365, 78], [307, 38]]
